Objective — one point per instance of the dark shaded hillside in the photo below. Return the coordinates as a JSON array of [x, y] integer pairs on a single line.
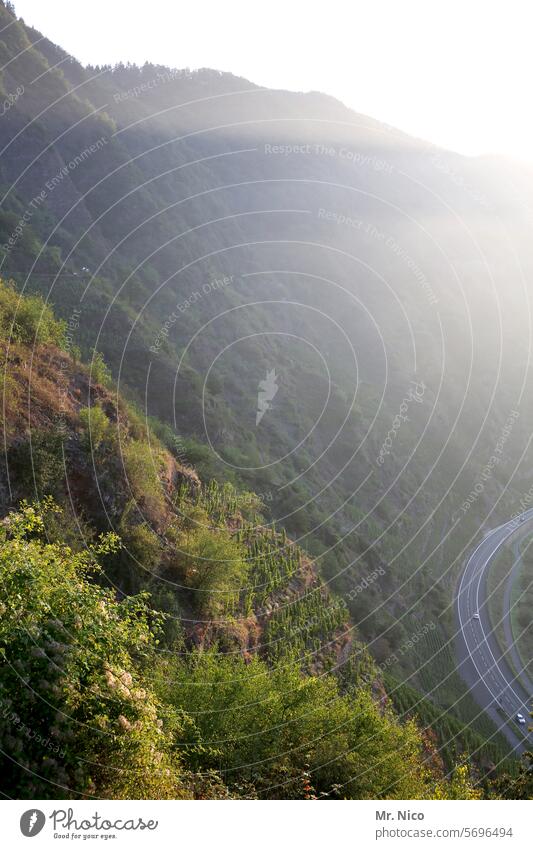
[[203, 232]]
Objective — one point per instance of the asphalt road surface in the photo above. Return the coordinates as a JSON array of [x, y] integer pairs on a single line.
[[497, 689]]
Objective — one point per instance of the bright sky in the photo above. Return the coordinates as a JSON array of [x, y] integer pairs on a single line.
[[455, 72]]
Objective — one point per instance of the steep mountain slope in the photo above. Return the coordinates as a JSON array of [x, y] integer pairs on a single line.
[[203, 233], [234, 673]]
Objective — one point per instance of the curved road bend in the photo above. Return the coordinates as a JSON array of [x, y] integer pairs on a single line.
[[482, 664]]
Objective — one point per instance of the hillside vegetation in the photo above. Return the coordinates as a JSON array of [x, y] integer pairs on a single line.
[[234, 674], [271, 346]]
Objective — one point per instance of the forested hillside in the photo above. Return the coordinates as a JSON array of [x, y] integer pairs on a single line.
[[258, 351]]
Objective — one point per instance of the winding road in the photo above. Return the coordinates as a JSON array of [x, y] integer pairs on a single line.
[[486, 669]]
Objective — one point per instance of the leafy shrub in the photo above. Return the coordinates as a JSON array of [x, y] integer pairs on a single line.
[[100, 372], [143, 545], [211, 562]]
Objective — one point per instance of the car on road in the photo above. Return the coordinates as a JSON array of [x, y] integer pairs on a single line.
[[520, 719], [476, 616]]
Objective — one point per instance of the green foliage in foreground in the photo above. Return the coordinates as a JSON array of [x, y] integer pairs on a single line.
[[274, 727], [75, 717], [89, 704], [451, 734]]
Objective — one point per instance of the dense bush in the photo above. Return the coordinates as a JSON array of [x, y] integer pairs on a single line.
[[210, 561], [293, 735], [96, 427], [100, 372], [142, 468]]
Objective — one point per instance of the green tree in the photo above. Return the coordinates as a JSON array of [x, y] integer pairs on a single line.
[[76, 715]]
